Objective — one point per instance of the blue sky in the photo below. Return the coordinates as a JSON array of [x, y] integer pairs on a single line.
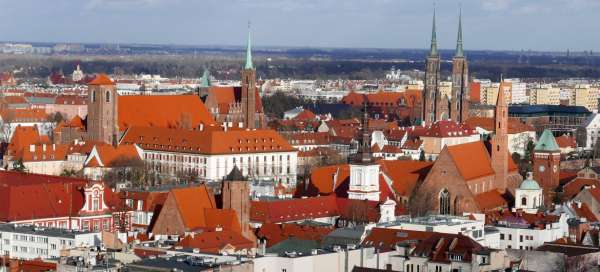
[[488, 24]]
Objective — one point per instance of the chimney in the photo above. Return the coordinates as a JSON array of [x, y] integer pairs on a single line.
[[31, 148], [53, 147]]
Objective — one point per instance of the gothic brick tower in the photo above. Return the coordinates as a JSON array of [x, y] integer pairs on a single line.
[[459, 110], [432, 79], [249, 89], [236, 196], [546, 164], [102, 110], [500, 142]]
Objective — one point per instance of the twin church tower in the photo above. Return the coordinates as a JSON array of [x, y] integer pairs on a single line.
[[438, 106]]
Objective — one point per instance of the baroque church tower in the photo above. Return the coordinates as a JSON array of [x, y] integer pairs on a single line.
[[102, 110], [431, 96], [500, 141], [459, 110], [249, 89], [364, 171]]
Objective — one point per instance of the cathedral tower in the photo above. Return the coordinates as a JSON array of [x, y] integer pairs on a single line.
[[102, 115], [364, 171], [500, 141], [459, 110], [432, 79], [249, 89]]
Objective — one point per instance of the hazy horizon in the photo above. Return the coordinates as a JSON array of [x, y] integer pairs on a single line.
[[499, 25]]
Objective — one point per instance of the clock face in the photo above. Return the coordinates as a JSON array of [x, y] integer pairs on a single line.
[[542, 168]]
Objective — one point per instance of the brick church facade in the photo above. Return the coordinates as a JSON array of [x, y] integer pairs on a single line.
[[238, 106], [471, 177]]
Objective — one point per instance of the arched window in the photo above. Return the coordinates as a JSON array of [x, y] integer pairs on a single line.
[[107, 97], [524, 201], [93, 96], [444, 202], [535, 201]]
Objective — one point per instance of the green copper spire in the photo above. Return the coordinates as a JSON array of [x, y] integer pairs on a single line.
[[205, 79], [249, 64], [459, 41], [434, 50]]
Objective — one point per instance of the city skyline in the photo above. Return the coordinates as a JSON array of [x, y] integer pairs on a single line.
[[488, 24]]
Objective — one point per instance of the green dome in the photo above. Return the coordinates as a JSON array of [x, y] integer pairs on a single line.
[[529, 184]]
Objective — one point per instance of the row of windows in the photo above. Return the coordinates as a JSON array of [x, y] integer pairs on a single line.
[[25, 238], [30, 250]]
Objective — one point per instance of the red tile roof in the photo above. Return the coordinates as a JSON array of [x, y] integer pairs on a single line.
[[275, 233], [573, 187], [490, 200], [404, 175], [215, 241], [440, 246], [166, 111], [444, 129], [32, 196], [566, 141], [584, 211], [385, 239], [296, 209], [207, 141]]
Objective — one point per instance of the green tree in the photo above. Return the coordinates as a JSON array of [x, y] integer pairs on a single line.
[[18, 166]]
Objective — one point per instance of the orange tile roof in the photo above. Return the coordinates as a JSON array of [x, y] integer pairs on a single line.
[[471, 159], [110, 156], [24, 115], [207, 141], [102, 79], [192, 203], [168, 111], [305, 115], [22, 138], [490, 200]]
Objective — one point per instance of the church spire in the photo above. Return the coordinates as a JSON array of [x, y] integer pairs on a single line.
[[434, 50], [249, 64], [459, 41]]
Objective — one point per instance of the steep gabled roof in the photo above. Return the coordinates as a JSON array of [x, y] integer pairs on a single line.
[[471, 159], [191, 203], [166, 111]]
